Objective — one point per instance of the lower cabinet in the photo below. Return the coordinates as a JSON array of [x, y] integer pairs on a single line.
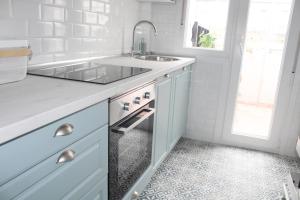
[[75, 166], [68, 179], [172, 107], [76, 171], [180, 105], [163, 98], [98, 191]]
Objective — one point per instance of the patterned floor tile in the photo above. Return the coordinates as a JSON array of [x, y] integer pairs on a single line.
[[202, 171]]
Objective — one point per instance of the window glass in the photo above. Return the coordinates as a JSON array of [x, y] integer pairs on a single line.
[[206, 23]]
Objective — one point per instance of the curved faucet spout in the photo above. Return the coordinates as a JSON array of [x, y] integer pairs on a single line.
[[134, 29]]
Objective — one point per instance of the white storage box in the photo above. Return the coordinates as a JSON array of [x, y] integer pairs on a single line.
[[13, 60]]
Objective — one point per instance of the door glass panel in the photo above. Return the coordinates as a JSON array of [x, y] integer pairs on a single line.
[[261, 63]]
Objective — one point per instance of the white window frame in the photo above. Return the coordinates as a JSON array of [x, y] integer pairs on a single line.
[[272, 143], [229, 32]]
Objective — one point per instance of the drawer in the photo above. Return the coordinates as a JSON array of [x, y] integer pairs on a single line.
[[87, 186], [22, 153], [52, 180], [98, 192]]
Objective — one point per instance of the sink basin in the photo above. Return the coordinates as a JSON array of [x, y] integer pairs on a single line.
[[157, 58]]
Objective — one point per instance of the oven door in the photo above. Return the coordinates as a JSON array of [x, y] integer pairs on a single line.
[[130, 150]]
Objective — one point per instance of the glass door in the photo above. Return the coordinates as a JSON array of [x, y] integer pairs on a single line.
[[261, 66], [261, 38]]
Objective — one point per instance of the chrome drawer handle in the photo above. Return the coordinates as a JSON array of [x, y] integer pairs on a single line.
[[66, 156], [64, 130]]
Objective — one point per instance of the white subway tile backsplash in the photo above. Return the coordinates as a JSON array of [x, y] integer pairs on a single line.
[[90, 18], [74, 44], [69, 29], [107, 8], [103, 19], [64, 3], [81, 30], [51, 13], [41, 29], [36, 45], [36, 59], [59, 56], [11, 29], [28, 10], [51, 45], [98, 6], [74, 16], [82, 4], [47, 1], [97, 31], [88, 43], [5, 9], [62, 29]]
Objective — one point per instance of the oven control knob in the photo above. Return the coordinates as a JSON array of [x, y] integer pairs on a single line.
[[126, 106], [137, 100], [147, 95]]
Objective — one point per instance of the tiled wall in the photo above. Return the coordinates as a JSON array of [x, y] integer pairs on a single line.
[[68, 29], [206, 87]]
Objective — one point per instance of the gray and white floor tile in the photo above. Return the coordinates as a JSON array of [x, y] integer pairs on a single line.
[[202, 171]]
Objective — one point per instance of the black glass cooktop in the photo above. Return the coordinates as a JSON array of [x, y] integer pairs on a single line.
[[89, 72]]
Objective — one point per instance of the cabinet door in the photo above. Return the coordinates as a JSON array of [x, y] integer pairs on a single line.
[[98, 192], [163, 90], [180, 104]]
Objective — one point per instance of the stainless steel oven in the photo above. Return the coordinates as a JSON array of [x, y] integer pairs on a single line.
[[130, 138]]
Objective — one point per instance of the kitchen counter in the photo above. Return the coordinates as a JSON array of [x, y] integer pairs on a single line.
[[37, 101]]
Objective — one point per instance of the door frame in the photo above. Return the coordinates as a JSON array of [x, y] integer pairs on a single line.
[[284, 88], [290, 126]]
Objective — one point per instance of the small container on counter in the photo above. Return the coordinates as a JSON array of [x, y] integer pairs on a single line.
[[14, 55]]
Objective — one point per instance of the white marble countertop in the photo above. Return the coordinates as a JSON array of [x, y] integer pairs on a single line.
[[36, 101]]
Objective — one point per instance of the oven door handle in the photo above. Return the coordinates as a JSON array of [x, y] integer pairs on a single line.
[[122, 130]]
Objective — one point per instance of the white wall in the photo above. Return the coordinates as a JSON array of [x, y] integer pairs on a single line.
[[68, 29], [207, 96]]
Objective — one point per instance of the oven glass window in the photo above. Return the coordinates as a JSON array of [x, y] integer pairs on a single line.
[[130, 154]]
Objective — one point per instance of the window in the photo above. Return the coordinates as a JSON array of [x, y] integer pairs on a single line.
[[206, 24]]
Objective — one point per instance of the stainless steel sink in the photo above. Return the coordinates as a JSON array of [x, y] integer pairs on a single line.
[[156, 58]]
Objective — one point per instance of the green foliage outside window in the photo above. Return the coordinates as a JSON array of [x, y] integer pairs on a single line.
[[206, 41]]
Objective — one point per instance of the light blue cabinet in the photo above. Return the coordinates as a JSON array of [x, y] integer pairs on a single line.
[[67, 167], [21, 154], [98, 191], [29, 164], [180, 105], [172, 108], [163, 98]]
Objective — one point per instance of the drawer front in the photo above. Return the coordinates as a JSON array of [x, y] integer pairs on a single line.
[[85, 187], [52, 180], [21, 154], [98, 192]]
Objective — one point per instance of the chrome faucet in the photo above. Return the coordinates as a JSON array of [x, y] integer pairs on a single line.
[[133, 33]]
